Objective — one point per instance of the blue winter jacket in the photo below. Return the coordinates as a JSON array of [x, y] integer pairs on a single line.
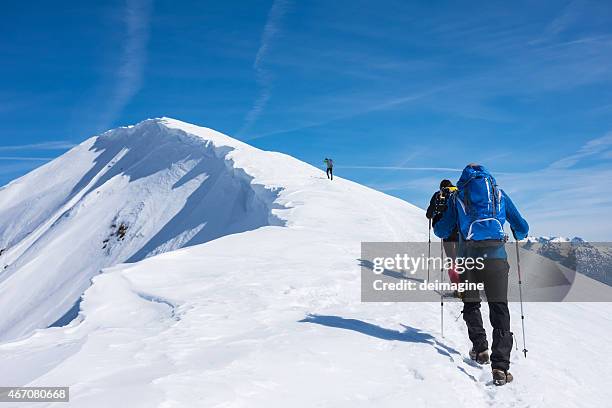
[[450, 219]]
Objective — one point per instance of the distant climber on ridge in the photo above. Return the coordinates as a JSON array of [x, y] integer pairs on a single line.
[[330, 168], [478, 210]]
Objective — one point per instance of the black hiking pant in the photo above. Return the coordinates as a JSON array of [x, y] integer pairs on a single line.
[[330, 174], [450, 248], [494, 276]]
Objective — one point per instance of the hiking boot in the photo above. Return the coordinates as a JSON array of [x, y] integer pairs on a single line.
[[501, 377], [481, 357]]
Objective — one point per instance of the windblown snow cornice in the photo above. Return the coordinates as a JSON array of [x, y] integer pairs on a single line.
[[128, 194]]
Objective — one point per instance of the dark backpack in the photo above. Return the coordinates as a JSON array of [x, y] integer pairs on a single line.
[[441, 201]]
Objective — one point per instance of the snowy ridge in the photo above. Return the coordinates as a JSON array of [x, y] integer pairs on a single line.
[[128, 194], [123, 196], [271, 315]]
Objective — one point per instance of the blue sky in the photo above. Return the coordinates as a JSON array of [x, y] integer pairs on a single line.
[[399, 93]]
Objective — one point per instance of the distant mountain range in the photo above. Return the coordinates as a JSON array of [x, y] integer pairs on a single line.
[[593, 259], [545, 239]]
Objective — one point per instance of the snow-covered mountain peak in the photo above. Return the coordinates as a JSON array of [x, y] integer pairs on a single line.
[[125, 195], [174, 130], [154, 187]]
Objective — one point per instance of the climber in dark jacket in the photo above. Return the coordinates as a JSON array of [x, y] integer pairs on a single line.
[[329, 163], [437, 206]]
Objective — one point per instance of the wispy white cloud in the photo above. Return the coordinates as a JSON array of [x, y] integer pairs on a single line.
[[370, 105], [444, 169], [560, 23], [271, 30], [529, 69], [21, 158], [129, 73], [599, 147], [563, 201], [422, 186], [564, 20], [52, 145]]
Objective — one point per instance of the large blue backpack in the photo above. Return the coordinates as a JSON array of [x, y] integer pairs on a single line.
[[480, 206]]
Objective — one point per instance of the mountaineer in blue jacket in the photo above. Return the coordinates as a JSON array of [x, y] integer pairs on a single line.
[[479, 210]]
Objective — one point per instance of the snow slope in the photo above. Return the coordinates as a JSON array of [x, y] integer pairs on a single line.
[[123, 196], [271, 316]]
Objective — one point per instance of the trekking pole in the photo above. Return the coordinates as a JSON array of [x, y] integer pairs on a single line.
[[441, 293], [520, 283], [429, 250]]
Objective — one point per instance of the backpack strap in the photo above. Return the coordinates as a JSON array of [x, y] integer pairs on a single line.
[[466, 196], [460, 238], [494, 200]]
